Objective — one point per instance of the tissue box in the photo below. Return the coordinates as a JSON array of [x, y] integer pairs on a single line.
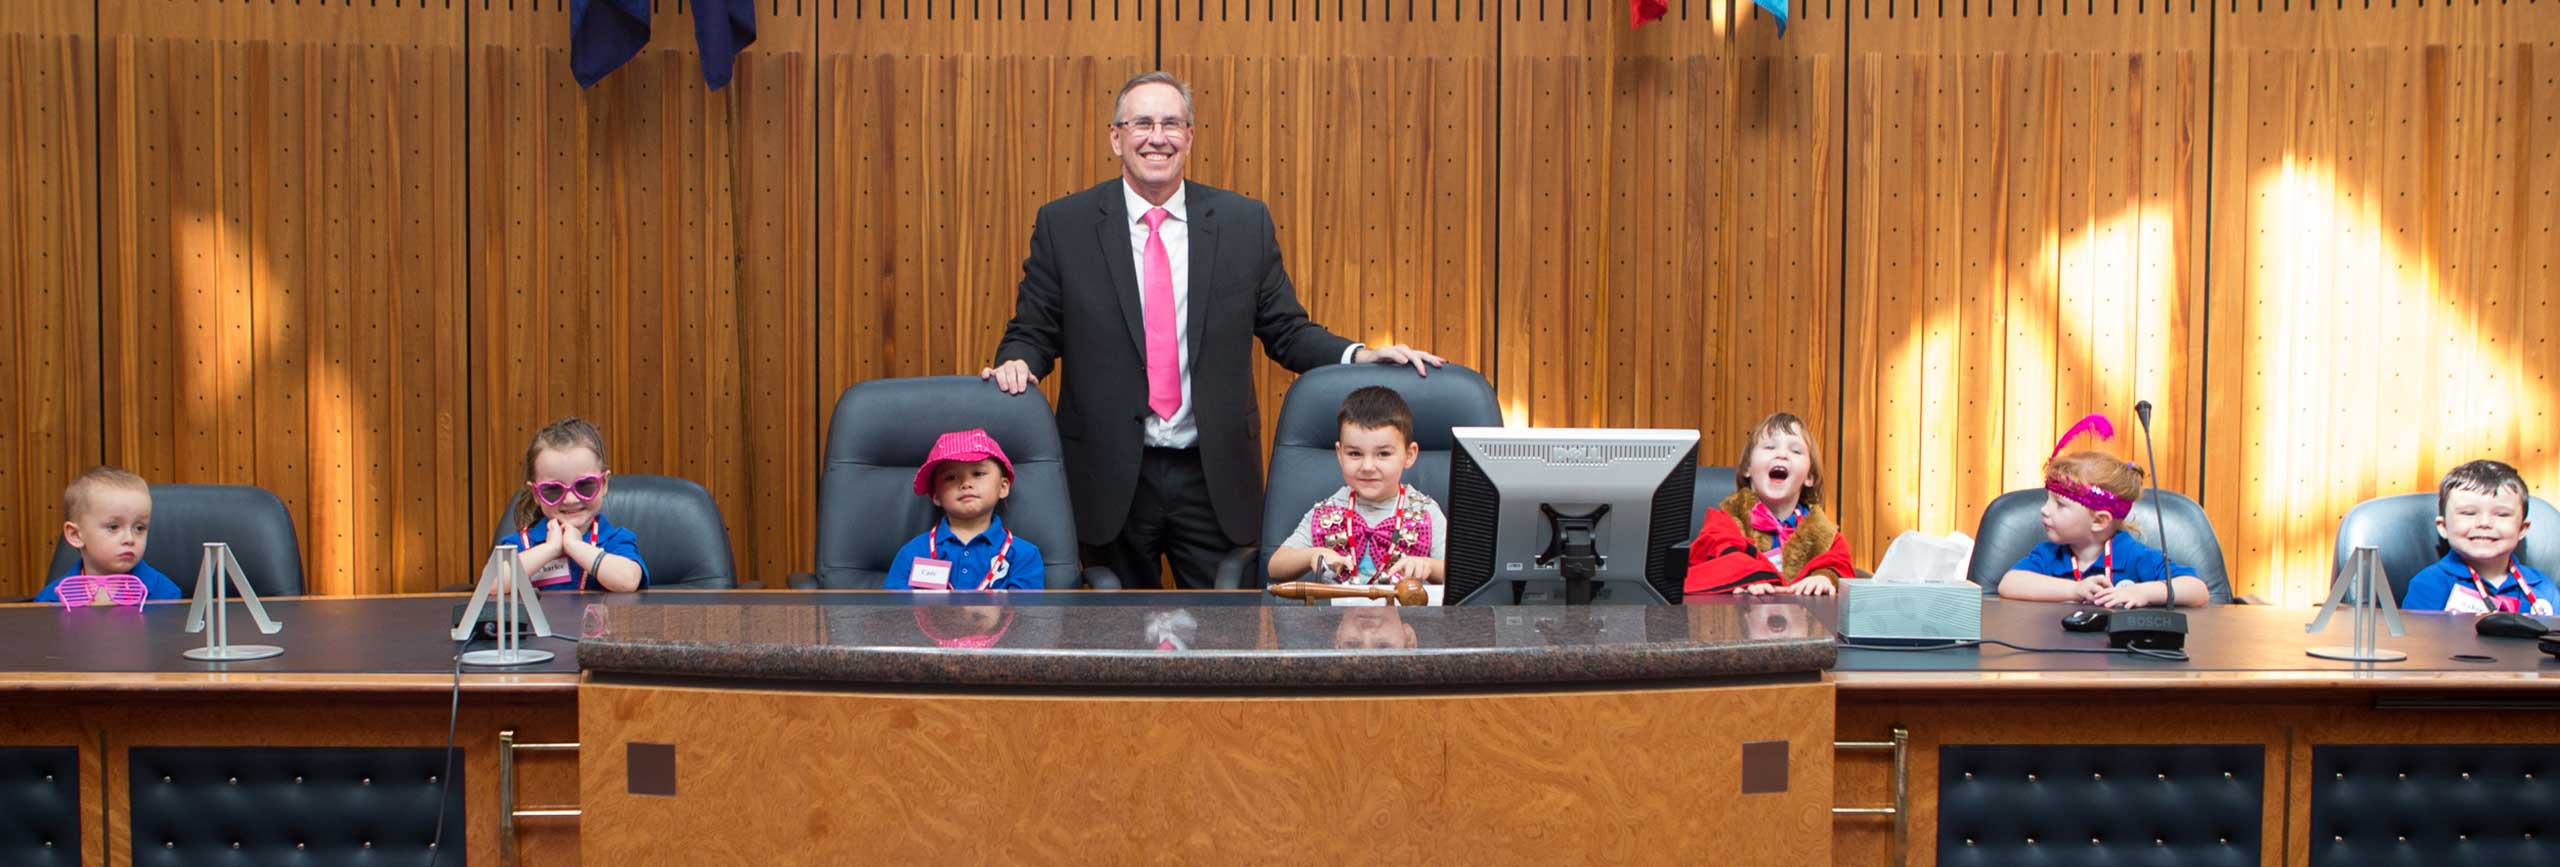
[[1880, 612]]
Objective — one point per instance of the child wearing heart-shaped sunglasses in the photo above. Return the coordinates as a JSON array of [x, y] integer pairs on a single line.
[[107, 517], [559, 524]]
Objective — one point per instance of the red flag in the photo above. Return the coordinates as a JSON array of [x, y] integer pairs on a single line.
[[1641, 11]]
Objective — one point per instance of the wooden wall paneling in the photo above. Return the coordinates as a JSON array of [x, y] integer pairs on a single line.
[[1371, 138], [946, 127], [281, 193], [643, 258], [48, 275], [2019, 237], [1669, 219], [2381, 182]]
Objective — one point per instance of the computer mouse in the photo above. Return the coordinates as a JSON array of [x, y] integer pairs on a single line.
[[2087, 620], [2508, 624]]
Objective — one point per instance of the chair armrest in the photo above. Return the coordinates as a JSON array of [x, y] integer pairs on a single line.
[[801, 581], [1241, 569], [1101, 578]]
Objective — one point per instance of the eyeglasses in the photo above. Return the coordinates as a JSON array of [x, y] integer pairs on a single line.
[[1172, 127], [78, 591], [586, 488]]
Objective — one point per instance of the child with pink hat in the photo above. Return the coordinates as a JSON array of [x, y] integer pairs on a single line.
[[967, 475]]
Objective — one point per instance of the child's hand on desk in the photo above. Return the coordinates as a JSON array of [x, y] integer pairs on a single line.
[[1416, 568], [2087, 589], [2125, 596], [1816, 584]]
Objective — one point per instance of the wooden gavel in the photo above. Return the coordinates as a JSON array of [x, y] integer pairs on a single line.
[[1404, 592]]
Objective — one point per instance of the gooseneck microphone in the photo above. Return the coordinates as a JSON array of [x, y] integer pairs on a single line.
[[2159, 518], [2165, 629]]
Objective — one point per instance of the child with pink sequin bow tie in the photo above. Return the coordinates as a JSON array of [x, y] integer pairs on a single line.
[[1376, 529]]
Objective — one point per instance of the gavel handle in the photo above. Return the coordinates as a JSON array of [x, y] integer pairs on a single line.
[[1312, 591]]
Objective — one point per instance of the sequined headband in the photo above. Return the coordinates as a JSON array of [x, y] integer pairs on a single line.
[[2096, 498]]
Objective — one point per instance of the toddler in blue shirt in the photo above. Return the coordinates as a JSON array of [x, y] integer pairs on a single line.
[[2481, 513], [967, 475], [107, 517]]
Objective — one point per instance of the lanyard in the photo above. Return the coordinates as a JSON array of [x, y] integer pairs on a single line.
[[2491, 594], [2075, 561], [999, 567]]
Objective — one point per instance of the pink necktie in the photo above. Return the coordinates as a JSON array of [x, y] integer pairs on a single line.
[[1164, 359]]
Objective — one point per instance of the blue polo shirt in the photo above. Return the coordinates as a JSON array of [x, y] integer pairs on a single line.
[[2135, 562], [617, 541], [155, 585], [971, 560], [2432, 587]]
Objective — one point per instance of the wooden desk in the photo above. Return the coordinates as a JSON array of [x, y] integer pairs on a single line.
[[2248, 682], [375, 672]]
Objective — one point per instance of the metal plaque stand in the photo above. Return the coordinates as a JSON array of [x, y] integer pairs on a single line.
[[2362, 577], [504, 580], [219, 570]]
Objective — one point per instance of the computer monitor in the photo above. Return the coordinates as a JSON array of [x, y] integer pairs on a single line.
[[1530, 509]]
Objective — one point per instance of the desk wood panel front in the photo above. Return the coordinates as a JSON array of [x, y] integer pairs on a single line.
[[1611, 776]]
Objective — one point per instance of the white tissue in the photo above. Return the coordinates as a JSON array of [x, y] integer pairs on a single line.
[[1919, 558]]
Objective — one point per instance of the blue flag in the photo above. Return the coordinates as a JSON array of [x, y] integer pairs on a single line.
[[1777, 8], [723, 28], [603, 34]]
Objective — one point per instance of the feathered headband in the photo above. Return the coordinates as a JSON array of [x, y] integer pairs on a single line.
[[2096, 498]]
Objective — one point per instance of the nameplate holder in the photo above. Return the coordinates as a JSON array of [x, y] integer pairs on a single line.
[[502, 580], [216, 575]]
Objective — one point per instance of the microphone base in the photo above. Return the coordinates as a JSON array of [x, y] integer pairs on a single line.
[[2147, 628]]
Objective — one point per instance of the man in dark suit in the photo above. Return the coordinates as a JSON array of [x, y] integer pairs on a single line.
[[1153, 287]]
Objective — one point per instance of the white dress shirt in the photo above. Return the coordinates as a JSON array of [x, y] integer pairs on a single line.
[[1181, 431]]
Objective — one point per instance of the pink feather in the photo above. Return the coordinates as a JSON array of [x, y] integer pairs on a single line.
[[2091, 424]]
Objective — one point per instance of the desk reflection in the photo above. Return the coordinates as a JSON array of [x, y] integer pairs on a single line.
[[1374, 628]]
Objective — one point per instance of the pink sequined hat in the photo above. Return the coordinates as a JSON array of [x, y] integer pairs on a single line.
[[961, 445]]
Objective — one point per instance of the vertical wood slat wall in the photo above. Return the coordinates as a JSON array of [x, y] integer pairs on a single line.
[[355, 252]]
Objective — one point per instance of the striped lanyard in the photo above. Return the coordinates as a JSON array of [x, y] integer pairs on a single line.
[[1002, 565], [2490, 594], [2110, 561]]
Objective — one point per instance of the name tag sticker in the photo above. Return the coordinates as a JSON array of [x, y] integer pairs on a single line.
[[555, 573], [929, 575]]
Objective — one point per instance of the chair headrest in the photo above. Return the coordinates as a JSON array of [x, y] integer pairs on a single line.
[[893, 422], [1452, 396]]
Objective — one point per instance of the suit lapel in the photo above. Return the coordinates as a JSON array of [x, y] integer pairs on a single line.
[[1112, 231], [1203, 205]]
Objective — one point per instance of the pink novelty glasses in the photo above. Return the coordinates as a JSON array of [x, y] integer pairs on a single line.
[[585, 488], [80, 591]]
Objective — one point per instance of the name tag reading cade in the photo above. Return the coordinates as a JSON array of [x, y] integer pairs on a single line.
[[931, 575]]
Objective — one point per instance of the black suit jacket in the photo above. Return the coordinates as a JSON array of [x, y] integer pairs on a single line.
[[1079, 301]]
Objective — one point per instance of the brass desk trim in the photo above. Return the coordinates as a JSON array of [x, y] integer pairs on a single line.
[[1900, 746]]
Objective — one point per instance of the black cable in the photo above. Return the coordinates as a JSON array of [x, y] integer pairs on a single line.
[[2170, 655], [444, 784]]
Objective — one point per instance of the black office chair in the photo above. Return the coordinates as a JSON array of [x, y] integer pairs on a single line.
[[683, 538], [1713, 485], [2403, 527], [184, 517], [2011, 527], [1303, 469], [878, 438]]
